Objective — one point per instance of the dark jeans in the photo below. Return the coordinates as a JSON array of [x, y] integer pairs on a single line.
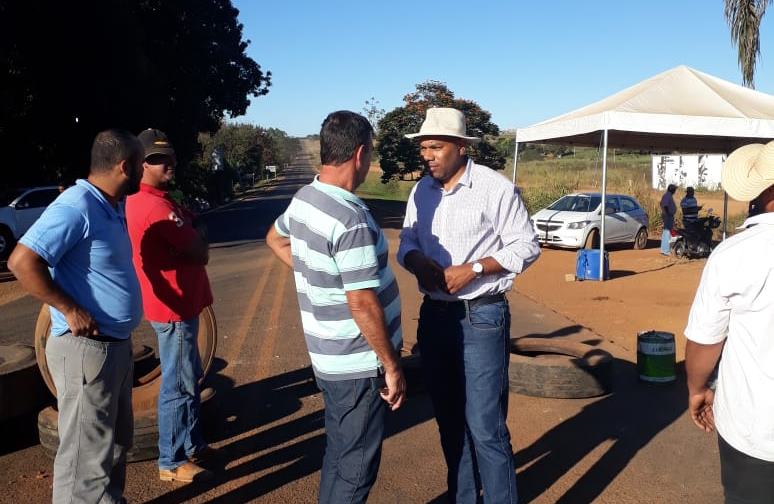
[[746, 479], [465, 355], [354, 429]]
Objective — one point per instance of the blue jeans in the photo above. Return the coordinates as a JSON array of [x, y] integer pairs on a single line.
[[666, 235], [465, 355], [180, 433], [354, 429]]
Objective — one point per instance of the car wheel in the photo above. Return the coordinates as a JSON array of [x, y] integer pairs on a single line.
[[6, 242], [641, 239], [592, 240]]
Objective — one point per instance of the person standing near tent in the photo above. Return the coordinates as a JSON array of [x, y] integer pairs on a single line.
[[668, 210], [732, 317], [690, 207], [466, 236]]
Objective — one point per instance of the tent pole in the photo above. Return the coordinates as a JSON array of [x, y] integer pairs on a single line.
[[725, 213], [603, 207], [515, 156]]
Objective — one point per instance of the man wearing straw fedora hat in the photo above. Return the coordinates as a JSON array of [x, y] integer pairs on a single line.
[[732, 317], [466, 235]]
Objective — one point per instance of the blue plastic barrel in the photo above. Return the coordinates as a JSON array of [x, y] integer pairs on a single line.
[[587, 265]]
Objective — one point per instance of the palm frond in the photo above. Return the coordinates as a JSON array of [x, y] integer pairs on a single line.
[[744, 19]]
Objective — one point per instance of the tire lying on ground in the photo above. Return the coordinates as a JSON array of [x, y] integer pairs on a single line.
[[146, 389], [21, 388], [146, 432], [564, 369]]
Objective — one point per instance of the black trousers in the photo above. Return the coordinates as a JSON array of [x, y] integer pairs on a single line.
[[746, 479]]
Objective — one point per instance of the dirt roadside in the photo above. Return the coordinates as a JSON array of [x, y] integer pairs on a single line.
[[646, 291]]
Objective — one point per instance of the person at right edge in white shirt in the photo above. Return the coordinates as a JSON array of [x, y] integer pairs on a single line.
[[732, 321], [466, 235]]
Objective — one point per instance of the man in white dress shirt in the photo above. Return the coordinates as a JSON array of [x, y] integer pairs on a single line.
[[733, 316], [466, 235]]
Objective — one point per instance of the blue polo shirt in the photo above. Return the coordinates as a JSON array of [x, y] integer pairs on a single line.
[[84, 240]]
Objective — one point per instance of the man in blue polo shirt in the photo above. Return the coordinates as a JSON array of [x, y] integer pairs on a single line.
[[350, 307], [77, 258]]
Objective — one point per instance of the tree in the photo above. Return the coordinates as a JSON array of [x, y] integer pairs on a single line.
[[71, 69], [744, 19], [373, 112], [399, 156]]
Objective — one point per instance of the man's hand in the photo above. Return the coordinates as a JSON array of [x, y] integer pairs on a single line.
[[457, 277], [394, 394], [430, 274], [700, 406], [80, 322]]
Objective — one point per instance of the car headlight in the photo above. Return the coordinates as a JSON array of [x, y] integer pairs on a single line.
[[578, 225]]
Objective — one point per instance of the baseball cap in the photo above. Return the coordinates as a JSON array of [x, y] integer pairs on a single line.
[[154, 141]]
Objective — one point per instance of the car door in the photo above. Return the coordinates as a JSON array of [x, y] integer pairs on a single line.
[[615, 222], [31, 205], [634, 216]]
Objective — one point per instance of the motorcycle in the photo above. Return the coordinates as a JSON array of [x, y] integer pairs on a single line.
[[694, 239]]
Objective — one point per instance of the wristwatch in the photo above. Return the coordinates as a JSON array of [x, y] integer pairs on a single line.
[[478, 269]]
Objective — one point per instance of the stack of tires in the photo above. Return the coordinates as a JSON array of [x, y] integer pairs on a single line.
[[147, 383]]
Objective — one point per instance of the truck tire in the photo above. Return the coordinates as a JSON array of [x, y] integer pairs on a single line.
[[146, 389], [145, 443], [544, 367]]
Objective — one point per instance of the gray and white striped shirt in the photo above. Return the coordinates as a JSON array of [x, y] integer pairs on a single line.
[[482, 216]]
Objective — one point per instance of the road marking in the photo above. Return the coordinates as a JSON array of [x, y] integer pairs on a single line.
[[266, 354], [235, 345]]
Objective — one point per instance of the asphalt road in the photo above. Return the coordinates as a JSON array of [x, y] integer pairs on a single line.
[[634, 445]]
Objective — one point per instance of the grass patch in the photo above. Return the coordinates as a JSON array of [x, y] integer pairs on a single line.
[[394, 190]]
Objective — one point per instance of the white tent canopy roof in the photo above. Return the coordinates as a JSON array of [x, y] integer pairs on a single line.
[[681, 109]]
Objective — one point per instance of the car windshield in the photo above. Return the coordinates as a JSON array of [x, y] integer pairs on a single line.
[[576, 203], [6, 197]]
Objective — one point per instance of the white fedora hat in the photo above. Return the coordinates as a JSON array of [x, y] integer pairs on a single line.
[[447, 122], [748, 171]]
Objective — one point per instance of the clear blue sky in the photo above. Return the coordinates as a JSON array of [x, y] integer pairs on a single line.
[[522, 61]]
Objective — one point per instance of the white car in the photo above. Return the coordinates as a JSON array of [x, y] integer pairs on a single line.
[[19, 209], [573, 221]]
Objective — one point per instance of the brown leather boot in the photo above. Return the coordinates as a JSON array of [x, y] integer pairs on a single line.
[[185, 473]]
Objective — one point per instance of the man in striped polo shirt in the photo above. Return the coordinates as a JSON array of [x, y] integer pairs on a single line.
[[350, 307]]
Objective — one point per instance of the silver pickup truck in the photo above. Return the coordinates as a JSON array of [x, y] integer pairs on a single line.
[[19, 208]]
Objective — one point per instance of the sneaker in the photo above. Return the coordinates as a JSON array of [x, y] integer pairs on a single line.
[[207, 454], [185, 473]]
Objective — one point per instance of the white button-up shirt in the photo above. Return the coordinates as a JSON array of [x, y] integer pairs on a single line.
[[735, 303], [481, 216]]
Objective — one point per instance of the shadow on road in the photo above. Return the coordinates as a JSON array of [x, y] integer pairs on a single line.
[[631, 416], [293, 449]]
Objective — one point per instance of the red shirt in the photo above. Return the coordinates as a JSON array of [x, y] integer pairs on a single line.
[[174, 288]]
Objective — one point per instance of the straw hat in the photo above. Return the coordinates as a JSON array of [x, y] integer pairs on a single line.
[[748, 171], [447, 122]]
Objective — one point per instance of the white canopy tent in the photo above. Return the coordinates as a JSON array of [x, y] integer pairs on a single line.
[[681, 109]]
